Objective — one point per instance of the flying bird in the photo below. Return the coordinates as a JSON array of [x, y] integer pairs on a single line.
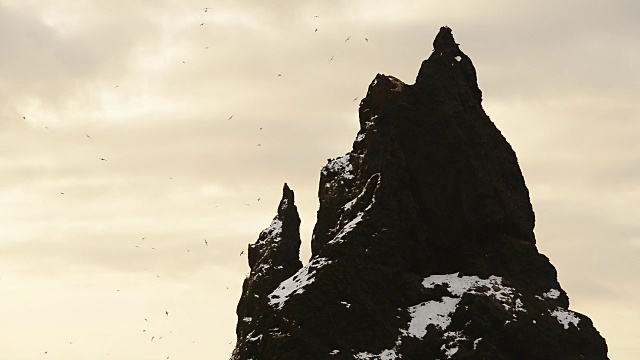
[[88, 136], [231, 117], [183, 62], [153, 337], [103, 159], [241, 252], [166, 312], [279, 75], [356, 98], [365, 39], [316, 30], [331, 58], [258, 199], [347, 39], [201, 24], [25, 118], [205, 242]]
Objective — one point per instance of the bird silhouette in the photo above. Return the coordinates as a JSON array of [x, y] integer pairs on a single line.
[[331, 58], [103, 159], [347, 39], [356, 98], [241, 252], [316, 30], [279, 75], [205, 242], [88, 136], [201, 24], [166, 312], [231, 117]]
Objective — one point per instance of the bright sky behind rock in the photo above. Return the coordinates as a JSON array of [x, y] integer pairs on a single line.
[[131, 131]]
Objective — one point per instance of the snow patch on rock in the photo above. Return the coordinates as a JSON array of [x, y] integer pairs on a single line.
[[552, 294], [384, 355], [439, 313], [296, 283], [566, 317]]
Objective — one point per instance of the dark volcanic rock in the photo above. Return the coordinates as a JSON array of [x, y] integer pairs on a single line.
[[273, 258], [423, 247]]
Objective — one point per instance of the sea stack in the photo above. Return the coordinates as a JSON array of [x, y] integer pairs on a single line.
[[423, 247]]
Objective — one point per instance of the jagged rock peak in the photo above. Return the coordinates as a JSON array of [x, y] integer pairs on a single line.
[[281, 240], [287, 199], [449, 72], [273, 258], [423, 246], [444, 41]]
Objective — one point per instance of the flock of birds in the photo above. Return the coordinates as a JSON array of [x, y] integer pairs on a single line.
[[205, 242]]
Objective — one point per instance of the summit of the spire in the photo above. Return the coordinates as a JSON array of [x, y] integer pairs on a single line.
[[444, 41]]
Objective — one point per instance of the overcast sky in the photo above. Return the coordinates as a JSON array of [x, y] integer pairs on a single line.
[[131, 131]]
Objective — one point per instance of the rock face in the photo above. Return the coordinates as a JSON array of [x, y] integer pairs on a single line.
[[423, 247]]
